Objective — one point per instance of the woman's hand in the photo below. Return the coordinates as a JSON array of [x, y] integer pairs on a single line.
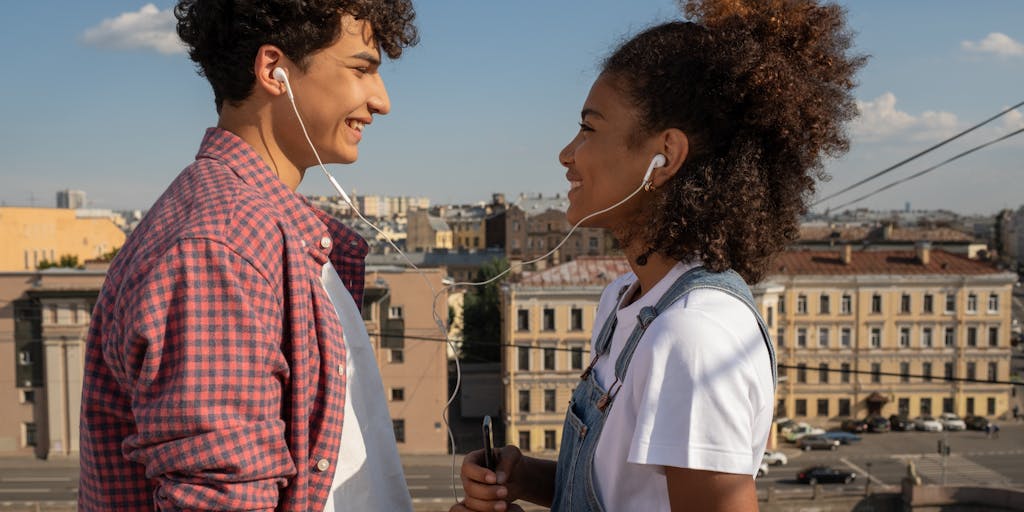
[[491, 491]]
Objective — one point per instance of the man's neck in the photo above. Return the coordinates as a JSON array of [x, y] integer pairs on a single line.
[[254, 126]]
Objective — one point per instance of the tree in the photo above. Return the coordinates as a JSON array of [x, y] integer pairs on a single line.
[[481, 316], [107, 257], [65, 261]]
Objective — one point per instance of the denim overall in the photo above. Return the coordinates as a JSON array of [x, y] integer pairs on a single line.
[[575, 489]]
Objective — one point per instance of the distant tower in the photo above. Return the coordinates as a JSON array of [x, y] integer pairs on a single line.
[[72, 199], [906, 207]]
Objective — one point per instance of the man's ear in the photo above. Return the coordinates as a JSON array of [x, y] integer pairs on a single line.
[[267, 58], [676, 147]]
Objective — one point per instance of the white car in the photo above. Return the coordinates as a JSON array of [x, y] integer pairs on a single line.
[[927, 423], [762, 470], [950, 421], [775, 459], [800, 430]]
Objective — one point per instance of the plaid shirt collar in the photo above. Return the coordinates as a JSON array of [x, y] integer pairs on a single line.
[[324, 236]]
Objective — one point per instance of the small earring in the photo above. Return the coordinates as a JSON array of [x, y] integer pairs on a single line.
[[649, 186]]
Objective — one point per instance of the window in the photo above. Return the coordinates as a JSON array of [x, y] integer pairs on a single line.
[[845, 339], [993, 303], [25, 358], [993, 371], [972, 371], [801, 304], [549, 359], [801, 337], [780, 337], [780, 408], [947, 405], [801, 372], [823, 305], [972, 336], [844, 406], [993, 336], [972, 303], [949, 371], [991, 406], [549, 319], [926, 337], [524, 358], [399, 427], [904, 406], [576, 358], [950, 337], [929, 304], [53, 313], [524, 441], [31, 439], [823, 337], [524, 400], [950, 303], [523, 320], [396, 355], [782, 305], [549, 440], [76, 313], [970, 405], [27, 396], [395, 312], [823, 373], [926, 406], [593, 243], [926, 371], [905, 303], [397, 394], [576, 319], [876, 337], [801, 407], [904, 371], [876, 372], [549, 400], [876, 303], [771, 316], [844, 375], [904, 337], [823, 407], [846, 305]]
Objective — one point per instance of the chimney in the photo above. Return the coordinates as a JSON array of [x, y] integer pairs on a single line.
[[924, 252], [847, 254]]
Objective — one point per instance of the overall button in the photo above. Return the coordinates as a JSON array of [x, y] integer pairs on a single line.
[[323, 465], [325, 242]]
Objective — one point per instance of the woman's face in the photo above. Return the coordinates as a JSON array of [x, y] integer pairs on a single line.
[[602, 167]]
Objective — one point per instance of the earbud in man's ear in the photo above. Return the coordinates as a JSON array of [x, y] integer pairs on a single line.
[[282, 76]]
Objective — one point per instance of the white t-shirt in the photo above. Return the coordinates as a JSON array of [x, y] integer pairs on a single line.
[[698, 393]]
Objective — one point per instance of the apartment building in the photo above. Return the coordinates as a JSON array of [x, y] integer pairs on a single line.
[[884, 332], [426, 232], [535, 225], [31, 235]]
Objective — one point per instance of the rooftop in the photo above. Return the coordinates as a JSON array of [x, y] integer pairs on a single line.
[[877, 263], [583, 271]]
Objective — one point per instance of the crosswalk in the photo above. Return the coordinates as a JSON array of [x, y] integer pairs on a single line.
[[958, 470]]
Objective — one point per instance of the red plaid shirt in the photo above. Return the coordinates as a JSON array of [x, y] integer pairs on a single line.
[[214, 375]]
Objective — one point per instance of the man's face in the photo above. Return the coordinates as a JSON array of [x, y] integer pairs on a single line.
[[337, 96]]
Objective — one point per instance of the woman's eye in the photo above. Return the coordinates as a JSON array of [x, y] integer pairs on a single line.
[[585, 128]]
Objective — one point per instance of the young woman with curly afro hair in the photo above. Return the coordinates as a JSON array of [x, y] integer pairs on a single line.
[[733, 111]]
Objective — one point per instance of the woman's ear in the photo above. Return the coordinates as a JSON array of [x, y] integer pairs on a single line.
[[676, 147]]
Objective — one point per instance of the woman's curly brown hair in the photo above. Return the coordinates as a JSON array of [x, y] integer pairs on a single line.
[[223, 36], [762, 89]]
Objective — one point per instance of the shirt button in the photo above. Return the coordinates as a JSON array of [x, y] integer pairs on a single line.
[[341, 369], [325, 242], [323, 465]]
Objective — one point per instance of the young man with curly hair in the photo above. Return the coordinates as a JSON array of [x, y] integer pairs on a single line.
[[732, 112], [216, 363]]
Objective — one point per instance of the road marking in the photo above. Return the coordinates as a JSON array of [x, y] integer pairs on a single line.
[[858, 469], [418, 487], [38, 489], [23, 479], [407, 477]]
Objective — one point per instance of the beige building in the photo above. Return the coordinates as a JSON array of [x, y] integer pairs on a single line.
[[426, 232], [31, 235], [536, 225], [862, 332]]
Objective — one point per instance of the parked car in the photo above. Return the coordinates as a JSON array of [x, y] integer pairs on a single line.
[[795, 432], [950, 421], [853, 425], [775, 459], [824, 475], [842, 437], [816, 442], [762, 470], [877, 424], [897, 422], [976, 422], [927, 423]]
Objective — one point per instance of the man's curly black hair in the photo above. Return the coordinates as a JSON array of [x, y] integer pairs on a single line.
[[762, 89], [223, 36]]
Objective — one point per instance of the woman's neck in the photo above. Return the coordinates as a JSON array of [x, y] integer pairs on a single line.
[[650, 273]]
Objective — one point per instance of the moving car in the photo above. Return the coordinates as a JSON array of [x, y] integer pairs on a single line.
[[901, 423], [927, 423], [842, 437], [795, 432], [816, 442], [976, 422], [852, 425], [877, 424], [950, 421], [762, 470], [775, 459], [824, 475]]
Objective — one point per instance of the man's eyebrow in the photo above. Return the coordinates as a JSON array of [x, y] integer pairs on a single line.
[[590, 112], [368, 57]]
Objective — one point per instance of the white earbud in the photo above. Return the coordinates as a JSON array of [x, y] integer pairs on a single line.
[[282, 76], [659, 160]]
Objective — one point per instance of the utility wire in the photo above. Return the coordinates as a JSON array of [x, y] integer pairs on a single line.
[[916, 156], [932, 168]]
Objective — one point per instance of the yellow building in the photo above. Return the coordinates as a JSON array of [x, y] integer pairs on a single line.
[[891, 332], [31, 235], [426, 232]]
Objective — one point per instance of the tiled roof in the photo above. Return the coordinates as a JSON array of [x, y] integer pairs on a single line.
[[583, 271], [876, 263], [878, 234]]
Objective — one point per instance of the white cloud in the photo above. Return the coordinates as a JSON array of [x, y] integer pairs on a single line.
[[996, 43], [880, 119], [149, 28], [1013, 120]]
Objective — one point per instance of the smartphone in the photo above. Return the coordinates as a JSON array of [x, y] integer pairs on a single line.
[[488, 431]]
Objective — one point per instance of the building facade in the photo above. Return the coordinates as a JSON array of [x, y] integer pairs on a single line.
[[72, 199], [426, 232], [535, 225], [31, 235]]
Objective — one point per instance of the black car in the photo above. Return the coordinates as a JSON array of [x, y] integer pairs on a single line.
[[976, 422], [853, 425], [877, 424], [824, 475], [900, 422]]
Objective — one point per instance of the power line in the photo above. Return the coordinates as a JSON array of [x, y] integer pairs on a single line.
[[916, 156], [932, 168]]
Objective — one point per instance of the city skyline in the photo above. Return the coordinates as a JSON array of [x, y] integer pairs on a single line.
[[105, 101]]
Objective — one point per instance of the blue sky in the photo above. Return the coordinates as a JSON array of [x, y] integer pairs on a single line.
[[97, 96]]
